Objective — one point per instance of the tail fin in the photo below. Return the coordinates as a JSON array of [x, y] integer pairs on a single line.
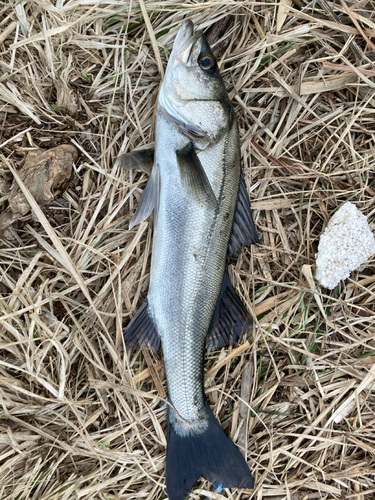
[[210, 454]]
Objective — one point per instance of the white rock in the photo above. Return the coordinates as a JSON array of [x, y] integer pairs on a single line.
[[346, 243]]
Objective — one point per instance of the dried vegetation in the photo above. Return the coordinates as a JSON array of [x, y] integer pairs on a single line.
[[79, 418]]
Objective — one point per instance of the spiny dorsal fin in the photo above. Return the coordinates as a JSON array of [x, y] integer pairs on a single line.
[[141, 330], [194, 178], [243, 229], [230, 320]]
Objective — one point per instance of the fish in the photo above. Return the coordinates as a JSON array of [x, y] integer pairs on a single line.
[[202, 218]]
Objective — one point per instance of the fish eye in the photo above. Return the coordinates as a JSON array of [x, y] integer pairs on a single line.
[[206, 62]]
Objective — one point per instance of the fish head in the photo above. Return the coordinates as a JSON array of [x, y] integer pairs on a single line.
[[193, 93]]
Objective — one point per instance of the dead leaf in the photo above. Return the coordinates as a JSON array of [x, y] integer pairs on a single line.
[[66, 99], [345, 67], [282, 13], [329, 84], [273, 204], [46, 173]]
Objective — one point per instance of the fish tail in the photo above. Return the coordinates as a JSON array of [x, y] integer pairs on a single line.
[[210, 454]]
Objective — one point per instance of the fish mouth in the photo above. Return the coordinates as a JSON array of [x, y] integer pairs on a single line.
[[185, 41]]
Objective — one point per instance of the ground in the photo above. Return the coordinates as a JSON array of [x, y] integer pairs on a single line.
[[79, 418]]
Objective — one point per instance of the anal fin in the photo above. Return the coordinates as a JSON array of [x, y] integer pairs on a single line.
[[141, 330], [243, 229], [231, 319]]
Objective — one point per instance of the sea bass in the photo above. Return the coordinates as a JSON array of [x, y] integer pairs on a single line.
[[202, 216]]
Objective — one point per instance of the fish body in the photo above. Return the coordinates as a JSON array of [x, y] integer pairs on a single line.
[[195, 186]]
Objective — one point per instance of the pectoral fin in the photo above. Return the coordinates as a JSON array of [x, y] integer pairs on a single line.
[[243, 229], [230, 320], [140, 160], [194, 178], [149, 200]]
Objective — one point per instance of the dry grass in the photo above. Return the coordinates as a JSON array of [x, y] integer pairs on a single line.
[[81, 420]]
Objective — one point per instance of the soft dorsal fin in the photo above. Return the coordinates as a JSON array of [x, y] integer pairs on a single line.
[[194, 178], [230, 320], [140, 160], [149, 200], [141, 330], [243, 229]]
